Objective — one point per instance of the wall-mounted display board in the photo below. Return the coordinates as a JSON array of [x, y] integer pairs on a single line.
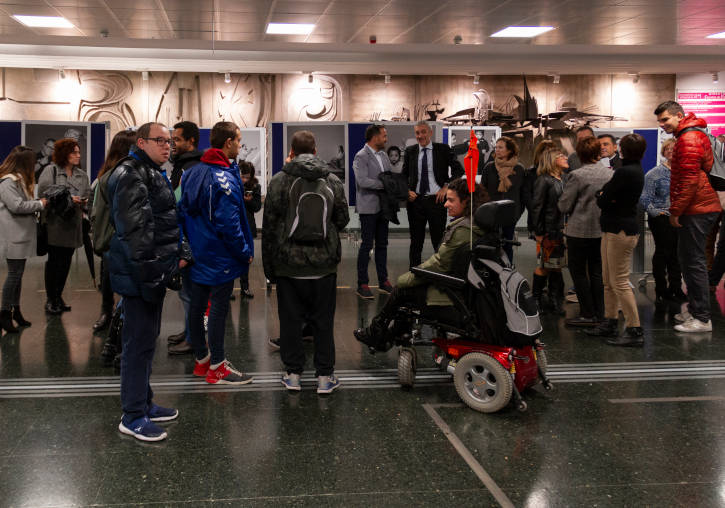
[[252, 149], [708, 105], [42, 135]]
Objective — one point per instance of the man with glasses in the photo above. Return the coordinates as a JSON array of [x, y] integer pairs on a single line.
[[143, 258]]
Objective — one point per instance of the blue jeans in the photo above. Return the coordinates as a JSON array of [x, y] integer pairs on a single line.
[[185, 297], [141, 327], [219, 297], [691, 252], [374, 231]]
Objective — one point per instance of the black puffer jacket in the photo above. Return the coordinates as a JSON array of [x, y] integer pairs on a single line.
[[545, 215], [144, 251]]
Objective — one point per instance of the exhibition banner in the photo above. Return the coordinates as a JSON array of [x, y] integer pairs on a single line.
[[710, 106]]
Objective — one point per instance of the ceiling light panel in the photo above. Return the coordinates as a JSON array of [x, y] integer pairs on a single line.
[[522, 31], [43, 21], [720, 35], [290, 28]]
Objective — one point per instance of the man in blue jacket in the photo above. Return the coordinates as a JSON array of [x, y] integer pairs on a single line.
[[214, 221]]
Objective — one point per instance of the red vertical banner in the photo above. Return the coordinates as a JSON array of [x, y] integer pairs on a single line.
[[470, 162]]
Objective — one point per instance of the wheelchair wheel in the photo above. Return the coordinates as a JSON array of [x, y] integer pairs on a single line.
[[406, 367], [482, 383]]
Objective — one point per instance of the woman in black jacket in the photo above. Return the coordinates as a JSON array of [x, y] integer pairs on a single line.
[[252, 204], [548, 223], [503, 178]]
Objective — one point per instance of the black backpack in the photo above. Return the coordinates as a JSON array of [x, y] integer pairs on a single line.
[[309, 215]]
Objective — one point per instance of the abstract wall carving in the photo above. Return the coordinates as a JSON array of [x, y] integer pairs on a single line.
[[105, 99]]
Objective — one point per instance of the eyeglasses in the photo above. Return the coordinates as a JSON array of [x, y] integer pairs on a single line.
[[160, 141]]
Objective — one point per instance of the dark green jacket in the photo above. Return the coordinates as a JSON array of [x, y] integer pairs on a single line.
[[283, 257]]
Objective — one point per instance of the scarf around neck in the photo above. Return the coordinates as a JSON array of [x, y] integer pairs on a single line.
[[505, 168]]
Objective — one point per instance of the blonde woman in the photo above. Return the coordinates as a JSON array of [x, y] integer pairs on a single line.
[[18, 224], [548, 225]]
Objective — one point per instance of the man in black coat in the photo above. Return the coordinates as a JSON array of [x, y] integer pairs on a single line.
[[185, 138], [428, 167]]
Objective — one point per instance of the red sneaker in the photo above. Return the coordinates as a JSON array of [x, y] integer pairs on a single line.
[[226, 374], [201, 368]]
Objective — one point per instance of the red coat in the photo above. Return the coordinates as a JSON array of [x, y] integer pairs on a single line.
[[690, 189]]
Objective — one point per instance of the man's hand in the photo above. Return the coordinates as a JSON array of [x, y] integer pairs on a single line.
[[441, 195], [675, 221], [183, 263], [250, 260], [412, 195], [77, 200], [45, 202]]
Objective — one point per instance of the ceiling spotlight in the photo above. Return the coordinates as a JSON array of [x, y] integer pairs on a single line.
[[556, 78], [227, 77], [476, 79], [310, 78], [387, 79], [145, 75], [61, 74], [715, 77], [634, 76]]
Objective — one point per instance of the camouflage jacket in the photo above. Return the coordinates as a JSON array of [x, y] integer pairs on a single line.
[[283, 257]]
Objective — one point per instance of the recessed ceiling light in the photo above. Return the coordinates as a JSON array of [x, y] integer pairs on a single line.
[[290, 28], [720, 35], [522, 31], [44, 21]]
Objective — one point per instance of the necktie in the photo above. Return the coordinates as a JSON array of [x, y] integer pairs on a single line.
[[424, 185]]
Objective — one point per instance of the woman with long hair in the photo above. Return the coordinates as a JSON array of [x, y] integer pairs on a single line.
[[503, 178], [65, 234], [120, 146], [548, 223], [18, 224]]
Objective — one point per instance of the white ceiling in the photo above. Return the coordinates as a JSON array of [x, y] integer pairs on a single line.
[[414, 36]]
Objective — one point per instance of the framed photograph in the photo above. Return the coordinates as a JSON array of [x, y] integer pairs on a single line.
[[42, 135], [402, 135], [254, 149], [331, 141], [459, 137]]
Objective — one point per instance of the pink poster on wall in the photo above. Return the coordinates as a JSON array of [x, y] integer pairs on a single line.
[[709, 106]]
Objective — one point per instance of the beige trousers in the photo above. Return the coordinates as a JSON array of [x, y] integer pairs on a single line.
[[616, 262]]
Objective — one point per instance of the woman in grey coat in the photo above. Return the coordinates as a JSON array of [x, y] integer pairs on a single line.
[[64, 235], [18, 224]]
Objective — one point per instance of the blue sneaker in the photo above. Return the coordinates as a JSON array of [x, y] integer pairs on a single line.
[[326, 384], [162, 414], [143, 429], [292, 381]]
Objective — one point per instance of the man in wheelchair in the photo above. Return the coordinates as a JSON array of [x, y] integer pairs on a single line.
[[416, 293]]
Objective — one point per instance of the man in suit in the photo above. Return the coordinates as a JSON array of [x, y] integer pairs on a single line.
[[609, 152], [369, 162], [426, 168]]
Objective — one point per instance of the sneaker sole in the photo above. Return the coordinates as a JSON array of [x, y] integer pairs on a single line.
[[678, 328], [328, 390], [225, 382], [165, 418], [371, 297], [125, 430], [292, 388]]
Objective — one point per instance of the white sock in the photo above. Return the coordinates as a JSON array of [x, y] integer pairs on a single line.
[[215, 366], [205, 359]]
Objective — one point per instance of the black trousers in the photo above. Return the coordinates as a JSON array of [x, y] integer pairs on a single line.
[[665, 265], [374, 232], [310, 301], [424, 210], [585, 267], [13, 284], [56, 270], [106, 291]]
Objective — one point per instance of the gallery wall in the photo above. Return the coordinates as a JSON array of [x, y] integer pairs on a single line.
[[125, 98]]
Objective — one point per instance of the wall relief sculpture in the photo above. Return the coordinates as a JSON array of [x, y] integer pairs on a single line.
[[246, 101], [320, 100], [105, 99]]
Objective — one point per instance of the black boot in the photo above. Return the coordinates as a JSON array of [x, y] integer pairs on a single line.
[[6, 321], [538, 291], [556, 293], [376, 336], [60, 303], [103, 321], [51, 307], [607, 328], [18, 317], [633, 337]]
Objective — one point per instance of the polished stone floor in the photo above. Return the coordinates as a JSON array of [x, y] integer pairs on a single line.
[[623, 427]]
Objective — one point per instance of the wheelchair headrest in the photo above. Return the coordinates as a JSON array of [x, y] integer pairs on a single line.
[[496, 214]]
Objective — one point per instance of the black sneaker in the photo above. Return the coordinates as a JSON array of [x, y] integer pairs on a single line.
[[633, 337], [607, 328], [363, 291], [246, 293]]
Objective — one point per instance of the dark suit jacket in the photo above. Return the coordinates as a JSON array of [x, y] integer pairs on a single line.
[[443, 158]]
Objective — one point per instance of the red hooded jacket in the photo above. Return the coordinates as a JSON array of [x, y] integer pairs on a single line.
[[690, 189]]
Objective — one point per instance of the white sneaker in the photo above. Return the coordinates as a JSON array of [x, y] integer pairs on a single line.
[[683, 316], [694, 326]]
